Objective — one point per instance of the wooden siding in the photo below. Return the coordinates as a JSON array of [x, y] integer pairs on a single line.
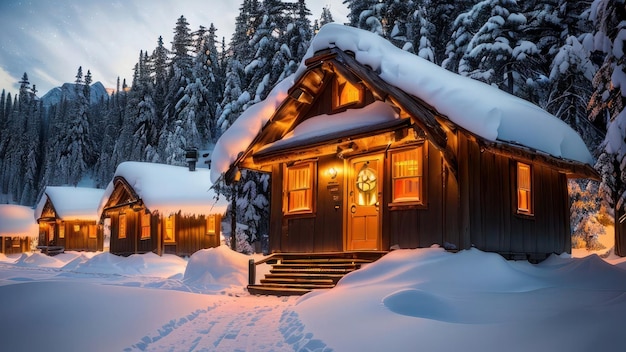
[[489, 205], [191, 235], [321, 231], [434, 223], [7, 244]]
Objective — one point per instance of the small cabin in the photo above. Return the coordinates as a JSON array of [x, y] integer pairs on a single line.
[[68, 219], [371, 148], [18, 228], [158, 208]]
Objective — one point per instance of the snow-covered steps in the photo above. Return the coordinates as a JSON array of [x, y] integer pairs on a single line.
[[299, 273]]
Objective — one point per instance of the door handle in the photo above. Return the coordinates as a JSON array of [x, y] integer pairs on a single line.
[[353, 209]]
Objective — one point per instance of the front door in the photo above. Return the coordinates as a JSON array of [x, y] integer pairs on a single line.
[[364, 195]]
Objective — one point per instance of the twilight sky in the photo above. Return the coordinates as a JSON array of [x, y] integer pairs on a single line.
[[49, 40]]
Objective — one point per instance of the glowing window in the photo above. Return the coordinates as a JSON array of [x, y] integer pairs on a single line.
[[210, 224], [524, 188], [407, 174], [168, 235], [122, 226], [62, 230], [92, 231], [346, 93], [298, 188], [145, 226]]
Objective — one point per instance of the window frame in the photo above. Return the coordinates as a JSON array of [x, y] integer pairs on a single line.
[[423, 196], [122, 226], [146, 223], [310, 191], [338, 85], [528, 189], [169, 223], [211, 224]]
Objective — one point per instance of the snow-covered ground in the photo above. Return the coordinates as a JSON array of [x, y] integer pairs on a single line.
[[424, 299]]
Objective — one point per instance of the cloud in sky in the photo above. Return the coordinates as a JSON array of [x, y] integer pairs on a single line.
[[49, 40]]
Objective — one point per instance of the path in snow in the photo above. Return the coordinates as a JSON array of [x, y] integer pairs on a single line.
[[245, 323]]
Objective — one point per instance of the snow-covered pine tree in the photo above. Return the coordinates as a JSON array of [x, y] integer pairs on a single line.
[[265, 43], [209, 82], [172, 138], [326, 16], [235, 94], [607, 103], [496, 53], [294, 42], [571, 86], [77, 151]]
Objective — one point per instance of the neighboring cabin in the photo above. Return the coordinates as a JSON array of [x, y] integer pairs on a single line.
[[161, 208], [68, 219], [373, 148], [17, 228]]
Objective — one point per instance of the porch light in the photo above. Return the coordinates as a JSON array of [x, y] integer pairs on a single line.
[[332, 172]]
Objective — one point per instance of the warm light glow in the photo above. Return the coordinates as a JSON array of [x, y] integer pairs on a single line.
[[76, 228], [332, 172], [407, 175], [524, 189]]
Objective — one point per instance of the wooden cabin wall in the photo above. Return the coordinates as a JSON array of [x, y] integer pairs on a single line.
[[8, 245], [423, 226], [192, 236], [86, 239], [489, 210], [318, 232], [132, 243]]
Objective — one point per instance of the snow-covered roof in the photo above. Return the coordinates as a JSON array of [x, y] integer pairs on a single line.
[[350, 120], [71, 203], [17, 220], [169, 189], [473, 105]]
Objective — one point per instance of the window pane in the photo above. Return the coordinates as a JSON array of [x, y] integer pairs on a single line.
[[298, 188], [122, 226], [407, 175], [523, 188], [169, 229]]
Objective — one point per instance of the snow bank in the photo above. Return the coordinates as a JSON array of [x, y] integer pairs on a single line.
[[484, 301], [217, 268]]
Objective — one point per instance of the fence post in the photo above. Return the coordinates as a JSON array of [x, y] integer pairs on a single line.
[[251, 272]]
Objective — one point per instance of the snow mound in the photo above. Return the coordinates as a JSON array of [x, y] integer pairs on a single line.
[[216, 269], [147, 264]]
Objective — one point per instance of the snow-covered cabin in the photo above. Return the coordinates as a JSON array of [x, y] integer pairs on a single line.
[[17, 228], [372, 148], [160, 208], [68, 218]]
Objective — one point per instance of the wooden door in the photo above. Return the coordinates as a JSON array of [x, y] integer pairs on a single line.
[[364, 195]]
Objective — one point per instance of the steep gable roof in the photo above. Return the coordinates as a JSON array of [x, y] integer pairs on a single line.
[[71, 203], [167, 189], [434, 97]]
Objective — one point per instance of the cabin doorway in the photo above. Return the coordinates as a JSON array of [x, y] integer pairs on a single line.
[[364, 190]]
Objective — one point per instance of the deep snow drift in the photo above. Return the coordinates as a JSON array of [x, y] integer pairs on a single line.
[[422, 299]]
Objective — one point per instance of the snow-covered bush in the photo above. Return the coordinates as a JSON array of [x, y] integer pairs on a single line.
[[588, 217]]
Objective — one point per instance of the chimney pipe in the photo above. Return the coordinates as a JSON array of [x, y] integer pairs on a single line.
[[191, 156]]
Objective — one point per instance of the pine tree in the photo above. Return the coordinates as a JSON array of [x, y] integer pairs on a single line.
[[172, 138], [496, 52], [608, 101], [77, 154], [236, 80]]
